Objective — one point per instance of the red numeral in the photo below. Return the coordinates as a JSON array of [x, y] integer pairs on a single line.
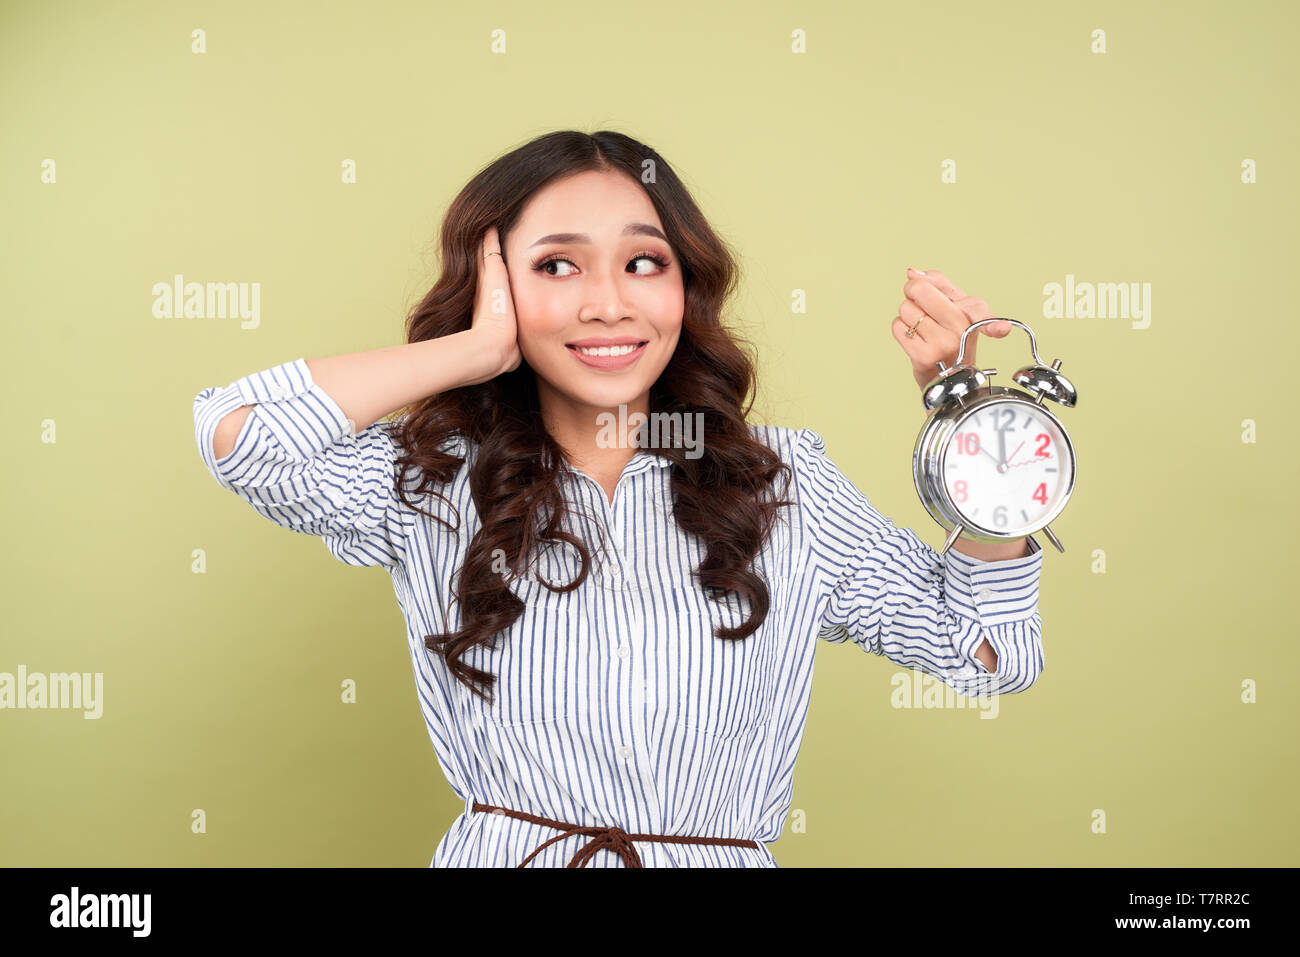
[[1040, 493], [968, 443], [1045, 441], [959, 490]]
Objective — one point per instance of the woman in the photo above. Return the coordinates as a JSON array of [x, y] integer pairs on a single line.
[[654, 581]]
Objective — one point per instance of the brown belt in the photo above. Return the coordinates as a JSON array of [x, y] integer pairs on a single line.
[[607, 838]]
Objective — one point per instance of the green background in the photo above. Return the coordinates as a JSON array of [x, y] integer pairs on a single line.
[[823, 170]]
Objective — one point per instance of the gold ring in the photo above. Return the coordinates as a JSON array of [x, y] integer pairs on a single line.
[[912, 330]]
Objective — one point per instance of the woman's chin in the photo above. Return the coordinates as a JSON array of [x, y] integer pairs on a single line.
[[591, 389], [609, 398]]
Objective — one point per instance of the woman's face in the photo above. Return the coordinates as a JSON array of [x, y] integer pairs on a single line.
[[583, 270]]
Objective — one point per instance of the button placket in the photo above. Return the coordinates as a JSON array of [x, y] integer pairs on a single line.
[[630, 679], [613, 574], [624, 670], [635, 676], [626, 629]]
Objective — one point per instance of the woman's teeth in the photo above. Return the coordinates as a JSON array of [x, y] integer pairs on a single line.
[[608, 350]]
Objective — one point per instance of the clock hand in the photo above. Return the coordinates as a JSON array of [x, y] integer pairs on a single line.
[[1007, 464], [1034, 461], [1002, 449]]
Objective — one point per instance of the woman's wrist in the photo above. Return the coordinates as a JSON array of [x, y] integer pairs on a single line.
[[473, 359], [485, 355]]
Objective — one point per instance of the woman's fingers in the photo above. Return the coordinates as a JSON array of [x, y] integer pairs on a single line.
[[935, 293], [925, 295], [916, 318], [930, 341], [924, 355], [944, 313], [494, 308], [480, 292], [493, 294], [941, 282], [977, 309], [899, 328]]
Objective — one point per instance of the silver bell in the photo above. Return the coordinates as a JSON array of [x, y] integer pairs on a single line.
[[955, 383], [1048, 383]]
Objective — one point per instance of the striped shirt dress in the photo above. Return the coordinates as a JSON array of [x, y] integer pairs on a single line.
[[615, 705]]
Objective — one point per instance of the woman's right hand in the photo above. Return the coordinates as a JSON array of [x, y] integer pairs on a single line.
[[493, 323]]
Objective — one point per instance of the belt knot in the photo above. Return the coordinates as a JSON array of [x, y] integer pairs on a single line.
[[612, 838]]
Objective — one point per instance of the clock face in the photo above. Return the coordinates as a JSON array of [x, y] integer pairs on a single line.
[[1008, 467]]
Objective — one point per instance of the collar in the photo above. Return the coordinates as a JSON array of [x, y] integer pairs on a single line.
[[642, 461], [660, 461]]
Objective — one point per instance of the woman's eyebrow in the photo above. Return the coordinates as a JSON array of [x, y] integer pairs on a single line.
[[631, 229]]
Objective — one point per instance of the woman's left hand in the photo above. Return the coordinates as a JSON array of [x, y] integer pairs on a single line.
[[947, 312]]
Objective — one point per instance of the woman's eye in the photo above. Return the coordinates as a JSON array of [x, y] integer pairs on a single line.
[[545, 264], [556, 263]]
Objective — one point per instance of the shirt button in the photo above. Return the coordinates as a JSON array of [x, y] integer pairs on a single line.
[[623, 651], [625, 751], [279, 392], [985, 594], [612, 572]]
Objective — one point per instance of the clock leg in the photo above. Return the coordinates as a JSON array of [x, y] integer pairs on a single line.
[[952, 538], [1052, 535]]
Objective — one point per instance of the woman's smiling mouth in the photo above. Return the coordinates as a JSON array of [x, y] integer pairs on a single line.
[[607, 353]]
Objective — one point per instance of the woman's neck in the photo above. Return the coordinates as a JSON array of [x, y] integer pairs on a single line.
[[597, 441]]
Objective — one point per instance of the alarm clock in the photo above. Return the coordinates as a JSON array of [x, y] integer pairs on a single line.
[[993, 463]]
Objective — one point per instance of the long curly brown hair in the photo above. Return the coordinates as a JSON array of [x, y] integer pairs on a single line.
[[722, 495]]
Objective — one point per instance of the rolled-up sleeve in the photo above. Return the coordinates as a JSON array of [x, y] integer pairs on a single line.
[[894, 595], [298, 462]]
